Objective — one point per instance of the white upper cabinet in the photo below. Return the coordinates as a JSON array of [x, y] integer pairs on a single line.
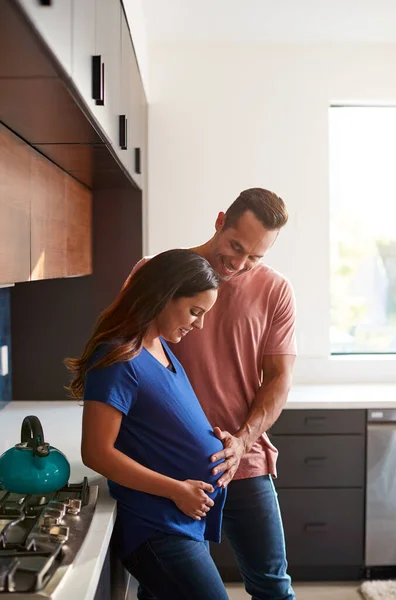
[[128, 112], [108, 67], [53, 21], [131, 95], [84, 48], [91, 40]]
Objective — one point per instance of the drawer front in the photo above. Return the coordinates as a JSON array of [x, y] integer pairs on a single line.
[[320, 461], [311, 422], [323, 527]]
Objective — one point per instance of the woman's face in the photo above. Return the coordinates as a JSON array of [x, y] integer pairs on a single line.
[[184, 314]]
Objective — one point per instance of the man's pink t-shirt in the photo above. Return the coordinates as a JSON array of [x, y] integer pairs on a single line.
[[254, 316]]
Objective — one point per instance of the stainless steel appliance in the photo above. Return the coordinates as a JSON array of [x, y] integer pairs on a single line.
[[381, 491], [40, 537]]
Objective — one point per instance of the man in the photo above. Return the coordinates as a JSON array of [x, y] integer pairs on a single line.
[[240, 366]]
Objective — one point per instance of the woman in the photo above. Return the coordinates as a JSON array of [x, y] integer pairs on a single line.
[[144, 429]]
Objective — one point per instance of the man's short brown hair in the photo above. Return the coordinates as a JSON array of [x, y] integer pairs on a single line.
[[266, 206]]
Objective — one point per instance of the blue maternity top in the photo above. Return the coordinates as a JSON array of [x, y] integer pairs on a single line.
[[165, 429]]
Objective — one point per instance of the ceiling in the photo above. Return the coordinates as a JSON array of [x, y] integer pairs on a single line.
[[270, 20]]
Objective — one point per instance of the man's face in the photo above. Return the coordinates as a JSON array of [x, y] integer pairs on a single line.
[[238, 249]]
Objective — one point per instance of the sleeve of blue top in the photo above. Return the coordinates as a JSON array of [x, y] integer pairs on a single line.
[[116, 385]]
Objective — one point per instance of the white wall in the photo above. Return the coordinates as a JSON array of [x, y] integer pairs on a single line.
[[225, 117]]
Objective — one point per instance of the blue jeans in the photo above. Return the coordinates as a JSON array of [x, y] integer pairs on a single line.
[[174, 567], [253, 525]]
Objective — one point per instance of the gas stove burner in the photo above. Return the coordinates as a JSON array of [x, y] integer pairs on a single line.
[[40, 537]]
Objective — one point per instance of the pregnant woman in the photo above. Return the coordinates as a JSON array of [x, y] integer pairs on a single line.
[[144, 429]]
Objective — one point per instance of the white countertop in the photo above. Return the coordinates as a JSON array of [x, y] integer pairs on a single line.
[[342, 396], [61, 423]]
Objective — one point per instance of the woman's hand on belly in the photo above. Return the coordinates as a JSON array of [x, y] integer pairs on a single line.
[[190, 497]]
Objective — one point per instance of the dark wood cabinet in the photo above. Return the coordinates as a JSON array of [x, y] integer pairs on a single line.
[[14, 208]]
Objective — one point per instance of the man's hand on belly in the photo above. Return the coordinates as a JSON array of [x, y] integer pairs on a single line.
[[234, 449]]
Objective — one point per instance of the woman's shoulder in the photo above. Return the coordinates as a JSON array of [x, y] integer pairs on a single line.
[[101, 352]]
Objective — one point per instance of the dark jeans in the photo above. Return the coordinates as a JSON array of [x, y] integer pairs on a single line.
[[253, 525], [174, 567]]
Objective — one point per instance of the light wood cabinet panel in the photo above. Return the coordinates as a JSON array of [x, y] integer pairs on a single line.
[[79, 228], [14, 208], [61, 223], [48, 219]]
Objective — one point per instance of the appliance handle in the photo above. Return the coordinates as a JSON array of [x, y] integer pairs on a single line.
[[32, 432]]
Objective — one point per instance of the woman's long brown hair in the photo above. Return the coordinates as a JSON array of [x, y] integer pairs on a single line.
[[123, 325]]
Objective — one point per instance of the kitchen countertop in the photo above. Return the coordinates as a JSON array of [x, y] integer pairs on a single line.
[[342, 396], [61, 423]]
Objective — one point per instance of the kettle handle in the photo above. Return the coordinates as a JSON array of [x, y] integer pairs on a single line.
[[32, 432]]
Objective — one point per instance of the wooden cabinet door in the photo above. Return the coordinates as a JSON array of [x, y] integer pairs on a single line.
[[48, 219], [108, 47], [45, 216], [54, 24], [14, 208], [79, 228], [61, 223]]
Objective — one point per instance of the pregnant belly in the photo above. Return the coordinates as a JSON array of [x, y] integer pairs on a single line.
[[198, 464]]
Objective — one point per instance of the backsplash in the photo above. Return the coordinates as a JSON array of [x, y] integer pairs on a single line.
[[5, 340]]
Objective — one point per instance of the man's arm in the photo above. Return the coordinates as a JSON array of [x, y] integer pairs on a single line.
[[265, 410]]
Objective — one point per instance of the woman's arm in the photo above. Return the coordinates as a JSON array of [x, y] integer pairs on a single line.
[[101, 424]]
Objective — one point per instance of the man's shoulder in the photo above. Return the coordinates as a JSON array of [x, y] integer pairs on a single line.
[[265, 275]]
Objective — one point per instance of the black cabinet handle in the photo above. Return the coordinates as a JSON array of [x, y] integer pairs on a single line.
[[138, 168], [45, 2], [98, 80], [315, 527], [123, 132], [315, 461]]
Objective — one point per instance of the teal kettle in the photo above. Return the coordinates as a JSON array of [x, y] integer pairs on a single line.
[[33, 466]]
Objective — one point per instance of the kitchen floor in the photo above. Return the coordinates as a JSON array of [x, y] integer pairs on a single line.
[[308, 591]]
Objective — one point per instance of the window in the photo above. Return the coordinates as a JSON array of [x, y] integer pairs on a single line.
[[363, 230]]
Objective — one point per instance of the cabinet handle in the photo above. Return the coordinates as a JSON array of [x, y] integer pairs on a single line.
[[315, 461], [98, 80], [123, 133], [45, 2], [315, 527], [137, 161]]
